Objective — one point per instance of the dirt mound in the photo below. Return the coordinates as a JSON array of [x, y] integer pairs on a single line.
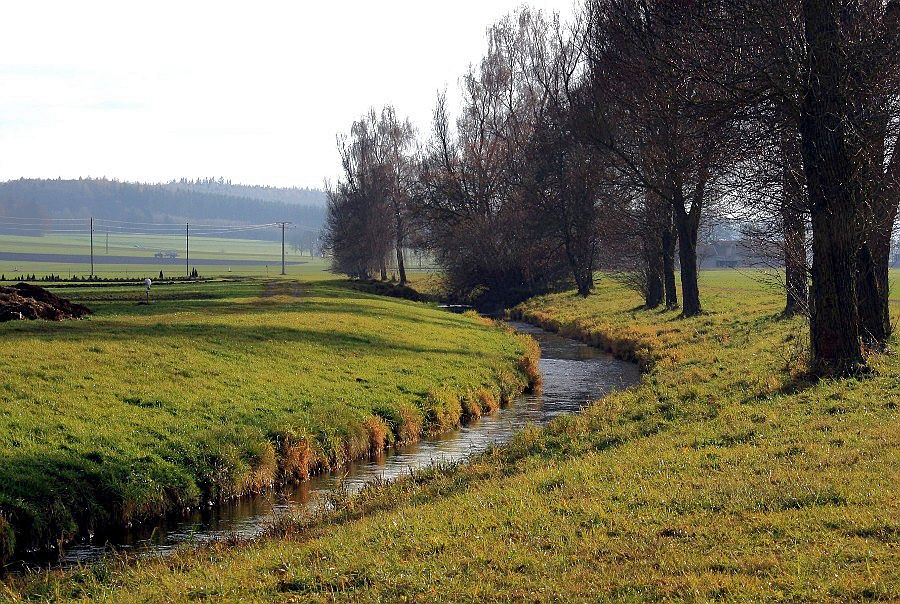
[[24, 301]]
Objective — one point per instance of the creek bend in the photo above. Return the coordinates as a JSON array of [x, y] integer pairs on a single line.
[[574, 374]]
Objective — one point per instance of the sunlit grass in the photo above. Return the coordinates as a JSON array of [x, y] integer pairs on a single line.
[[724, 476], [219, 389]]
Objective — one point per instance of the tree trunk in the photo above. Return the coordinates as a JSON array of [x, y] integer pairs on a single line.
[[401, 267], [583, 275], [878, 215], [879, 209], [795, 263], [653, 255], [687, 257], [794, 227], [585, 285], [384, 276], [872, 290], [833, 194], [669, 239], [834, 325]]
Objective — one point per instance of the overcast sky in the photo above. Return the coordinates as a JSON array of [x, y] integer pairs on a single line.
[[252, 91]]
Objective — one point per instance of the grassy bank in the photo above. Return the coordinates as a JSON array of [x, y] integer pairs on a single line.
[[222, 389], [724, 476]]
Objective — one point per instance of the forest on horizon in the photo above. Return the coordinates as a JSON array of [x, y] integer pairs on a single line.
[[210, 201]]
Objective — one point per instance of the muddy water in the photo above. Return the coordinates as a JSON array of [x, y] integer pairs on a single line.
[[574, 374]]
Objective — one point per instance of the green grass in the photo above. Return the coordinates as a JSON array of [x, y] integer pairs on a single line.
[[215, 248], [724, 476], [221, 389], [142, 245]]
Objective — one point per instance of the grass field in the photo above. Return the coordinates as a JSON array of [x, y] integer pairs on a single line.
[[724, 476], [222, 250], [221, 389]]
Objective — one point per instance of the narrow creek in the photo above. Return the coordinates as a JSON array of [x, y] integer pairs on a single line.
[[574, 375]]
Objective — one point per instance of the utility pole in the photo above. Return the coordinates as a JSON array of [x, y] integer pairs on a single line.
[[92, 247], [283, 224], [187, 249]]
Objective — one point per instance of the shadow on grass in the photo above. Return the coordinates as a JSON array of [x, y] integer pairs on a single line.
[[237, 336]]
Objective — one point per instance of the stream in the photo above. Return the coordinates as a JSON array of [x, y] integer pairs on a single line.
[[574, 375]]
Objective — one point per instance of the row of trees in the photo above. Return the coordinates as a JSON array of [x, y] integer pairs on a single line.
[[608, 142]]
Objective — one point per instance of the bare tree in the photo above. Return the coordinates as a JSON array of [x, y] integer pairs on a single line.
[[357, 230], [665, 123], [398, 158], [477, 181]]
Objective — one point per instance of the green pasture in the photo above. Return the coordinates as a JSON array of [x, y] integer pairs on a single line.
[[146, 246], [221, 389]]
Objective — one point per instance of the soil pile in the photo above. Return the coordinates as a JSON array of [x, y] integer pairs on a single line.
[[24, 301]]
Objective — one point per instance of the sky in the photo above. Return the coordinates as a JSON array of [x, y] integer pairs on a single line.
[[251, 91]]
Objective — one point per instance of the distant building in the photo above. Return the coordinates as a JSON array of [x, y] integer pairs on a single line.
[[719, 254], [735, 253]]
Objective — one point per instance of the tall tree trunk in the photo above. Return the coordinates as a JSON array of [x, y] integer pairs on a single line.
[[401, 267], [585, 284], [384, 270], [653, 256], [878, 211], [878, 215], [872, 289], [795, 263], [580, 256], [687, 256], [833, 194], [834, 325], [669, 240], [794, 228], [584, 278]]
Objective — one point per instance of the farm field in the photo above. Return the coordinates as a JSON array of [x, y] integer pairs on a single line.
[[726, 475], [135, 256], [220, 389]]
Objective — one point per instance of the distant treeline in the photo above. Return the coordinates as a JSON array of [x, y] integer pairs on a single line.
[[43, 200], [222, 186]]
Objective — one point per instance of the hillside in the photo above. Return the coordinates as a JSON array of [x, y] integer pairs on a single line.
[[42, 200], [221, 186]]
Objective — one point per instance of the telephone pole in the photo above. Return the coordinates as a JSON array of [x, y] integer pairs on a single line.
[[92, 247], [282, 224], [187, 249]]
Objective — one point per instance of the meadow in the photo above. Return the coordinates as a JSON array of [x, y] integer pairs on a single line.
[[727, 475], [220, 389], [106, 264]]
